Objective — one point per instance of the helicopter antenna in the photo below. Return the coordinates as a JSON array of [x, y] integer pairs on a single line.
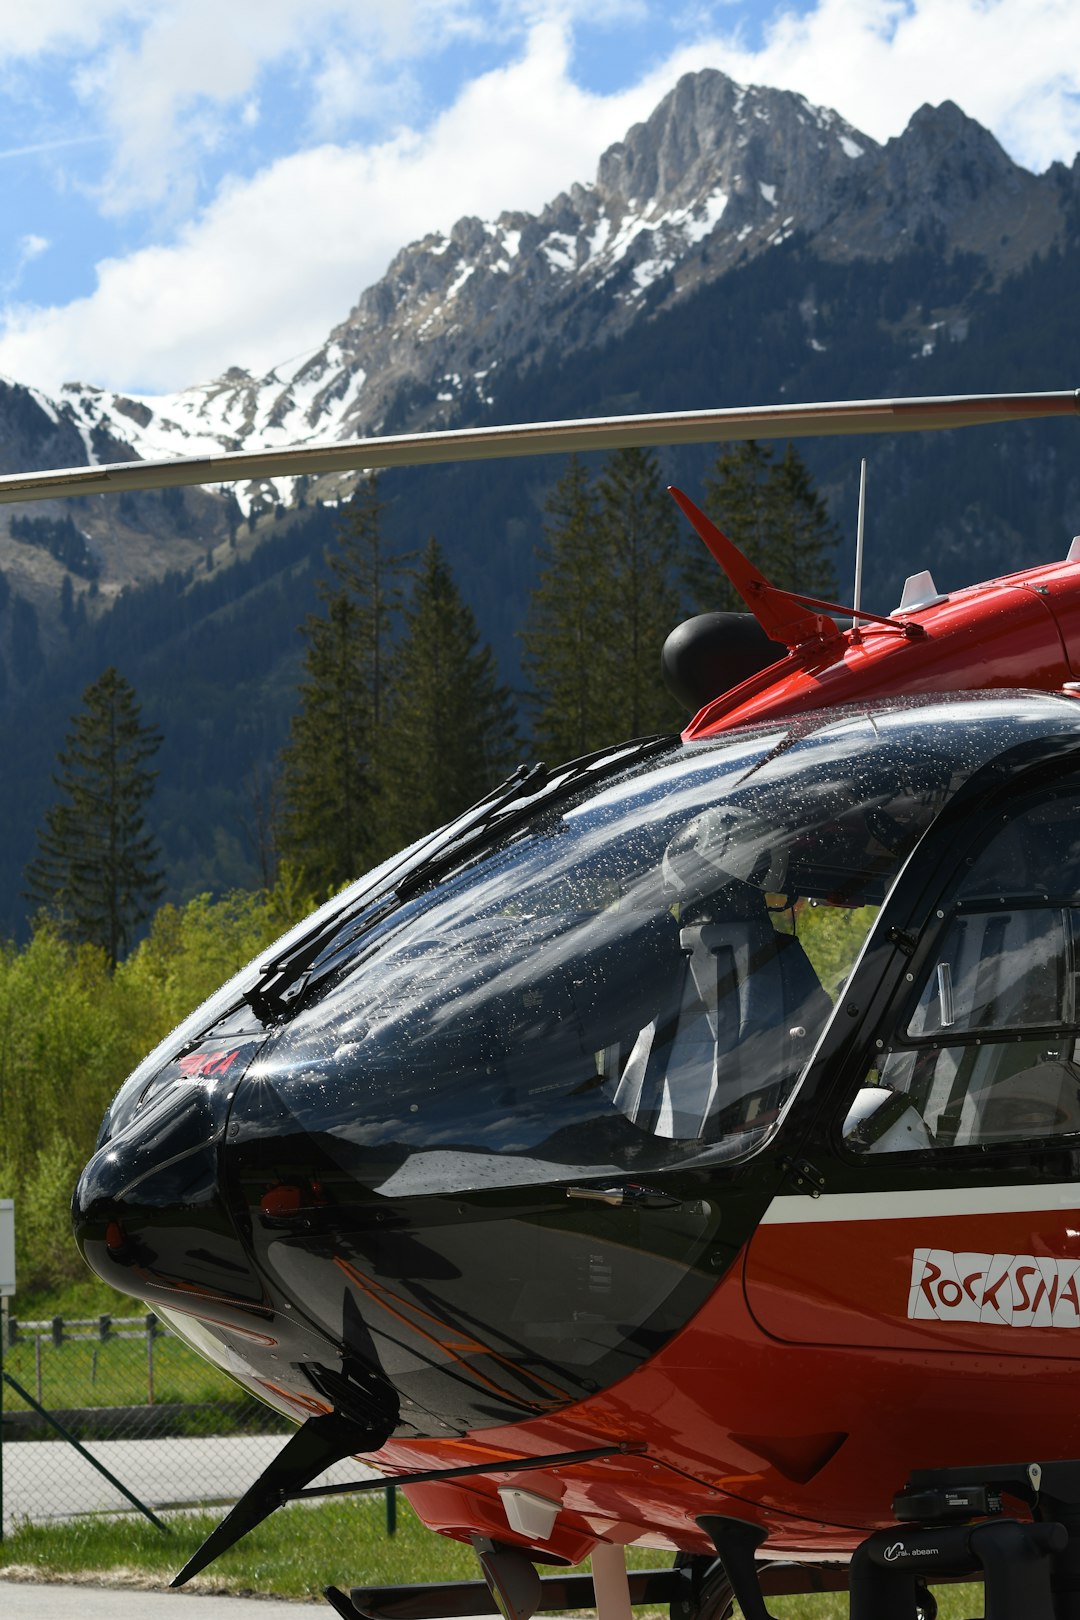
[[860, 533]]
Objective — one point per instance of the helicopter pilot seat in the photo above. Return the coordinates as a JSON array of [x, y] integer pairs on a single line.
[[740, 1022]]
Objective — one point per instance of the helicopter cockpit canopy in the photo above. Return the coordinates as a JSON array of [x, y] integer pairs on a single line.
[[630, 978]]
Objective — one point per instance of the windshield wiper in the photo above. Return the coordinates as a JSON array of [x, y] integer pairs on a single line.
[[554, 786], [282, 987], [269, 996]]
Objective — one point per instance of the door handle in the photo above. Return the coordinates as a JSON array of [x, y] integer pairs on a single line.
[[632, 1195]]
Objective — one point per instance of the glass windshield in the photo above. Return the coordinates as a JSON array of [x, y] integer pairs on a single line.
[[636, 977]]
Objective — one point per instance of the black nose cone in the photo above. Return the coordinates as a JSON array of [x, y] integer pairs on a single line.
[[148, 1211]]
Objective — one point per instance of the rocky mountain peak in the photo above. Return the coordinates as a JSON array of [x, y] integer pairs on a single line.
[[717, 175], [709, 131], [945, 152]]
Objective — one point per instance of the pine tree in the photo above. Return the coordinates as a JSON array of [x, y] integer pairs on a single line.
[[773, 513], [803, 534], [332, 823], [97, 868], [637, 522], [451, 733], [567, 635]]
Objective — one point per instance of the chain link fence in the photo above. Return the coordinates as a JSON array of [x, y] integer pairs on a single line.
[[126, 1394]]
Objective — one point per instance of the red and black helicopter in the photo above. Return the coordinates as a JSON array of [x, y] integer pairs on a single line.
[[680, 1149]]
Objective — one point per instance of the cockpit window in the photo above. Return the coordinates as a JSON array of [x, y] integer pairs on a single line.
[[990, 1051], [636, 976]]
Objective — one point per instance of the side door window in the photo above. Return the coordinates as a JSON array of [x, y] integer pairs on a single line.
[[988, 1050]]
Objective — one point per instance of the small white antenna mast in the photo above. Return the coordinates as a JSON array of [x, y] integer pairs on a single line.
[[859, 536]]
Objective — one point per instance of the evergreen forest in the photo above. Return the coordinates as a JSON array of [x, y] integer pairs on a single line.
[[215, 655]]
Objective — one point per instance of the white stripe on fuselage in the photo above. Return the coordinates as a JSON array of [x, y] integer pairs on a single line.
[[797, 1209]]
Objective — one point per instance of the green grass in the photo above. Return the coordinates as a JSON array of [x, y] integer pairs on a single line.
[[294, 1553], [299, 1550], [94, 1373], [82, 1373], [88, 1297]]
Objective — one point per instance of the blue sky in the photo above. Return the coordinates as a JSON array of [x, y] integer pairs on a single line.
[[191, 184]]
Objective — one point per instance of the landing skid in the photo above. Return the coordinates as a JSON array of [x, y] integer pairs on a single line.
[[696, 1588], [951, 1526]]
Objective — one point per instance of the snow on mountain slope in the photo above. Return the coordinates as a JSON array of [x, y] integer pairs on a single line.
[[718, 174]]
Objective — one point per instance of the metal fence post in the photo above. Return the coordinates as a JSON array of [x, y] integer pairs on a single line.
[[65, 1434], [107, 1389], [391, 1509], [151, 1334], [3, 1347]]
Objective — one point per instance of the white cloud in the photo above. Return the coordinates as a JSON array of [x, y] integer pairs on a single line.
[[36, 26], [29, 247], [274, 262], [175, 82]]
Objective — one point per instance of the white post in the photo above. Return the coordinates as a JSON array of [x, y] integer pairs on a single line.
[[609, 1582]]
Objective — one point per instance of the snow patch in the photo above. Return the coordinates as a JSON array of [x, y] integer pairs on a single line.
[[560, 250], [459, 281], [597, 241], [768, 192], [652, 269], [699, 224], [851, 148]]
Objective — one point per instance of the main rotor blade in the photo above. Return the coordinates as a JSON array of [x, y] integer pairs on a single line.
[[547, 438]]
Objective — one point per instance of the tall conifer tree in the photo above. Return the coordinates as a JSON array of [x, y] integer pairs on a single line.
[[773, 513], [804, 536], [97, 867], [331, 825], [638, 526], [451, 734], [567, 636]]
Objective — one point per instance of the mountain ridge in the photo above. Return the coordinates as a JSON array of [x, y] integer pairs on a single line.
[[717, 175]]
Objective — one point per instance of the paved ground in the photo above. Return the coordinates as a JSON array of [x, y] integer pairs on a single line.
[[33, 1602], [45, 1479]]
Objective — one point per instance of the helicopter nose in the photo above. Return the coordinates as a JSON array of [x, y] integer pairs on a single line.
[[148, 1211]]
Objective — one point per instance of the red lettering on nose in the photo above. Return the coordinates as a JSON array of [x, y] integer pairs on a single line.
[[971, 1282], [1069, 1293]]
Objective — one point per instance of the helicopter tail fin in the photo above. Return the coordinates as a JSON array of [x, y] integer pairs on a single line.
[[781, 615]]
